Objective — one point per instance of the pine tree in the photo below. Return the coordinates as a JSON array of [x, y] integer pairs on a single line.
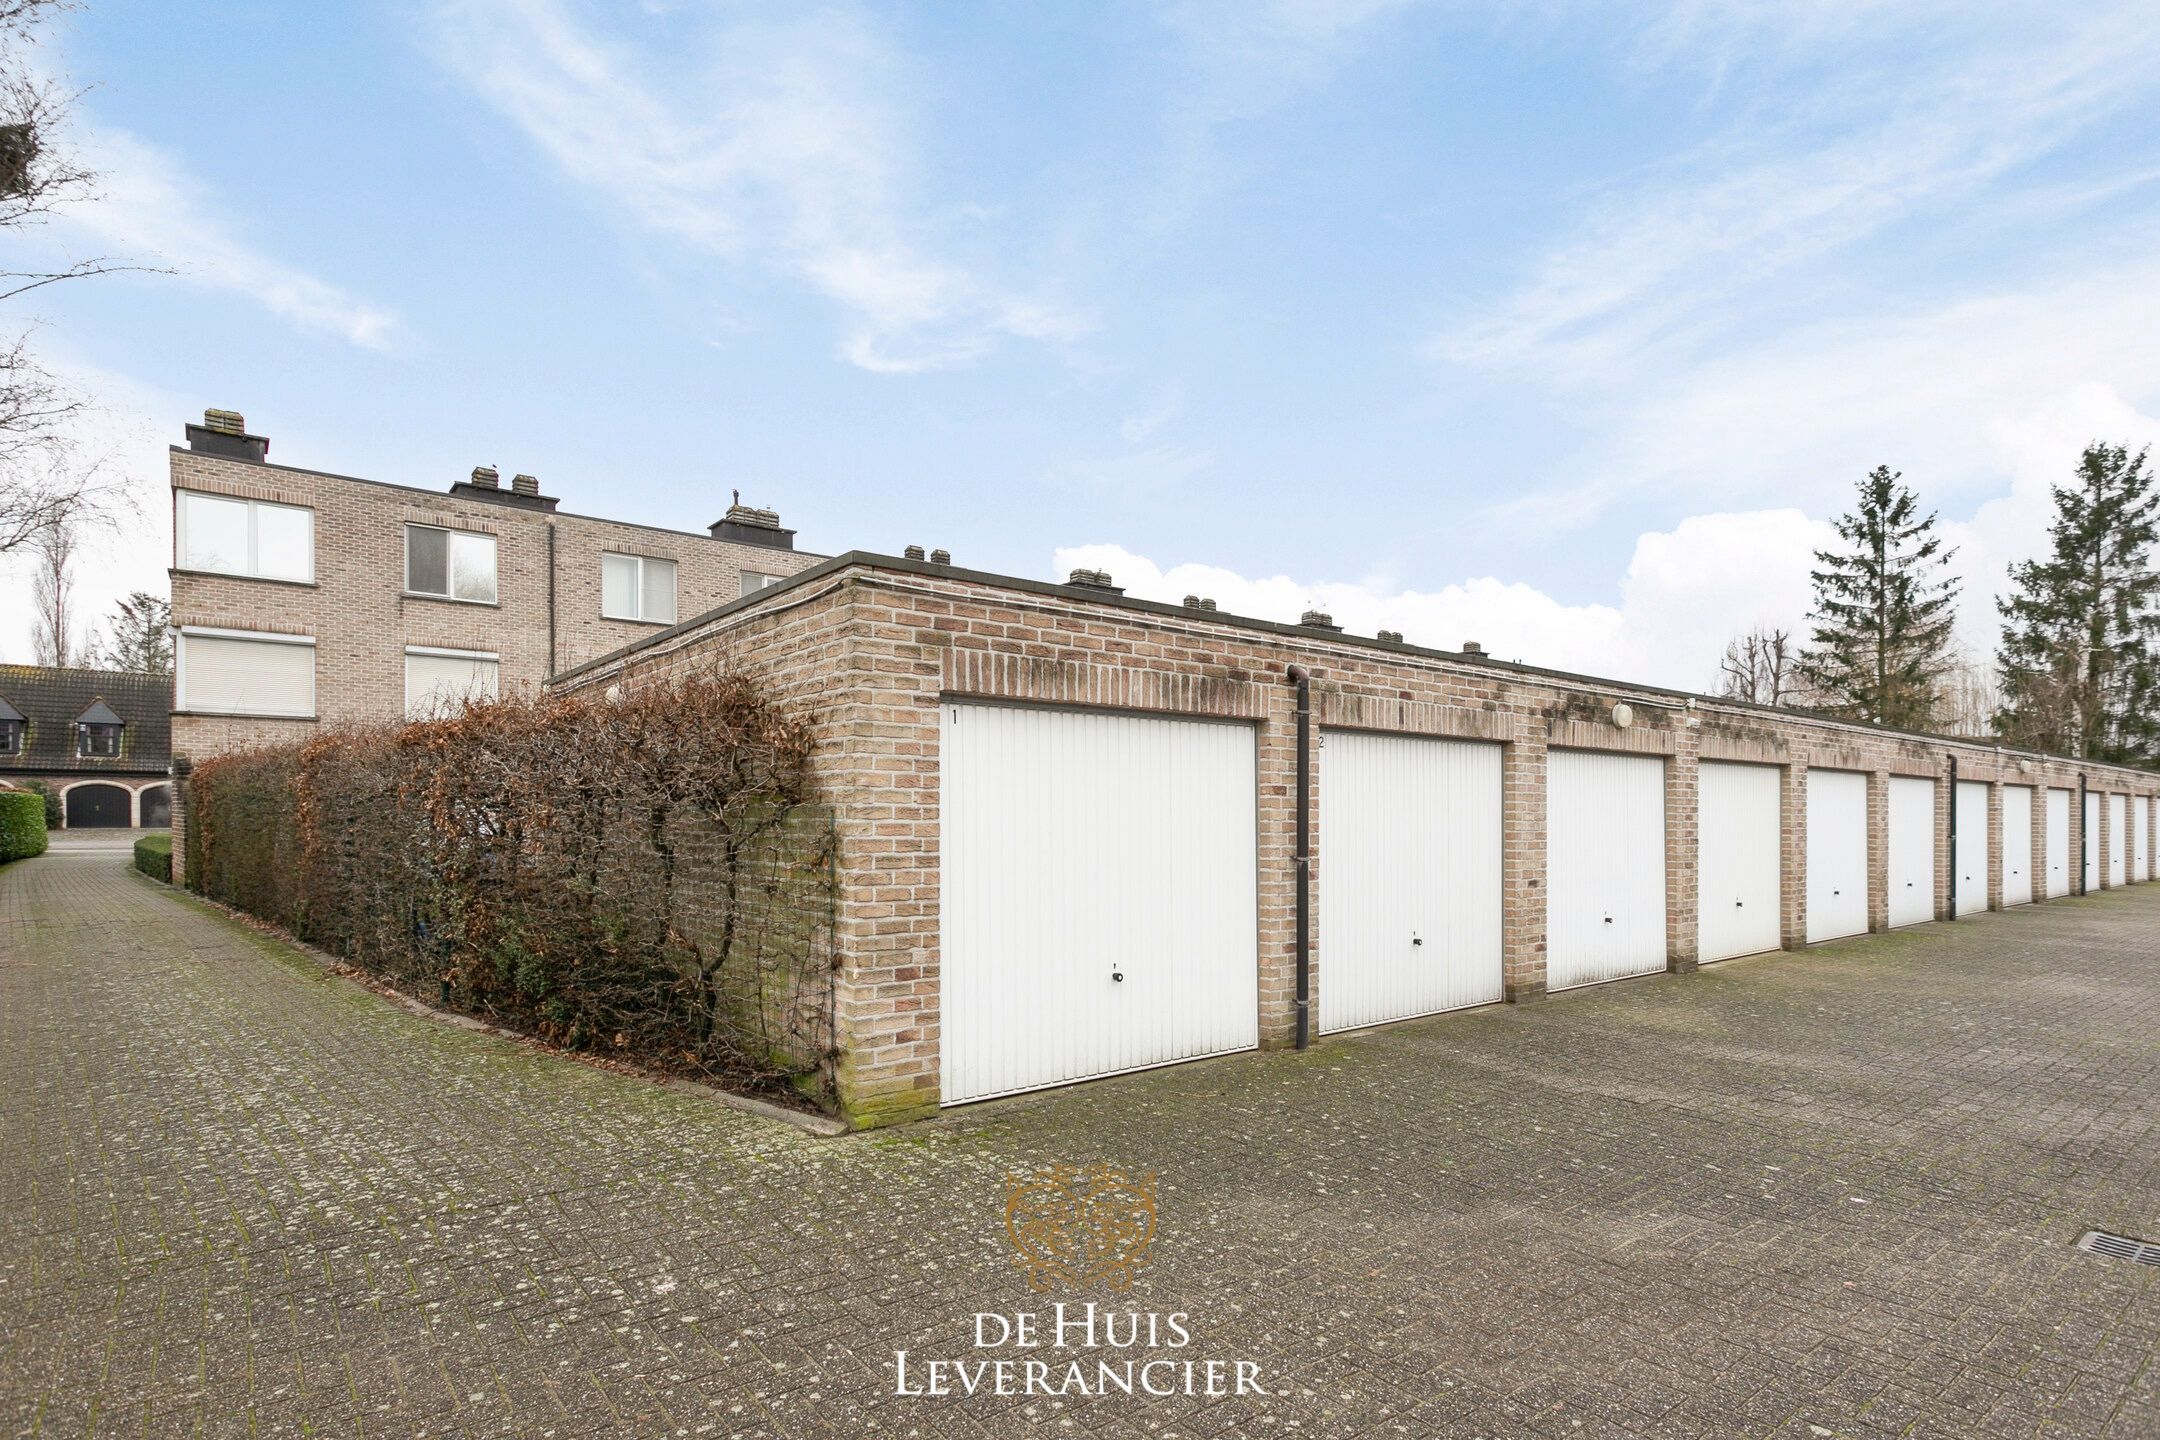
[[2077, 663], [139, 636], [1883, 611]]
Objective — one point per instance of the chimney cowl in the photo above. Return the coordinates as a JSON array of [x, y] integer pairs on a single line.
[[1471, 647], [941, 557], [1317, 620], [524, 485], [225, 433], [913, 552], [487, 477], [1392, 637]]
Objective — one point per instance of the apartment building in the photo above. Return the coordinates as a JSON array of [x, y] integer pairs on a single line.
[[302, 598]]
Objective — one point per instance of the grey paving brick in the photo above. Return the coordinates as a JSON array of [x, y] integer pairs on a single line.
[[1827, 1192]]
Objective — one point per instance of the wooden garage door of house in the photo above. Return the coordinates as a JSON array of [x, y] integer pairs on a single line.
[[1971, 858], [1836, 854], [1912, 850], [1605, 866], [156, 802], [93, 807], [1738, 856], [2058, 842], [1099, 895], [2017, 836], [1409, 893]]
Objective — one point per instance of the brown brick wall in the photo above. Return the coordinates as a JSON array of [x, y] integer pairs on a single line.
[[892, 640]]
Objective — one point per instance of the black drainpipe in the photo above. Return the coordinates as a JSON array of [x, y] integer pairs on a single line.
[[551, 599], [1953, 838], [1302, 860], [2084, 835]]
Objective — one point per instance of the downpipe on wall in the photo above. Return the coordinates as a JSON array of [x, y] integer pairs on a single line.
[[1953, 838], [2084, 840], [1301, 861]]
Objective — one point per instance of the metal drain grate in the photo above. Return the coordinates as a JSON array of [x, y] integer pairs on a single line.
[[2119, 1247]]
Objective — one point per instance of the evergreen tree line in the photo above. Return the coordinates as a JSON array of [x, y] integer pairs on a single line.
[[2075, 670]]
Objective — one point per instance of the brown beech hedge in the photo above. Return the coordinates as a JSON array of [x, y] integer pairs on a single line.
[[648, 876]]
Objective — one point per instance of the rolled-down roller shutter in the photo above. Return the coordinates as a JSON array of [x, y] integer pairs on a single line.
[[245, 675]]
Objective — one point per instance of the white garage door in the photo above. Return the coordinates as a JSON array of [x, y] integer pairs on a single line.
[[2145, 830], [1972, 846], [2118, 839], [1409, 896], [2140, 838], [2091, 857], [2017, 845], [1099, 895], [1836, 854], [1737, 854], [2058, 843], [1605, 866], [1912, 850]]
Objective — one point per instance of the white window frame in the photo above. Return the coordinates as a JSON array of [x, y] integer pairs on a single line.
[[13, 734], [766, 580], [207, 632], [639, 590], [442, 653], [254, 555], [83, 748], [449, 566]]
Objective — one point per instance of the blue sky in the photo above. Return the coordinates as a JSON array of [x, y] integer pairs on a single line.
[[1559, 326]]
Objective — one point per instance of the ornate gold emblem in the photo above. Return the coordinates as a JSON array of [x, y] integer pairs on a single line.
[[1073, 1225]]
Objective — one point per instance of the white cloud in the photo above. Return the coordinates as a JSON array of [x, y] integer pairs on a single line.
[[151, 211], [1942, 393], [1685, 593], [787, 149], [1668, 258]]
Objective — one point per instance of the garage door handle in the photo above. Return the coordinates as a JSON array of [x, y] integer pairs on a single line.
[[1117, 977], [1608, 919], [1737, 904], [1417, 939]]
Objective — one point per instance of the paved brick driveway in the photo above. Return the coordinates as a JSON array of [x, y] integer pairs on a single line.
[[1799, 1195]]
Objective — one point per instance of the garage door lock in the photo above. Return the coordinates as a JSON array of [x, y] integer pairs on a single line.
[[1117, 977]]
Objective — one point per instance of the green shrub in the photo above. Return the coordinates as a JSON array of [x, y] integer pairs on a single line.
[[153, 856], [52, 803], [22, 825], [649, 874]]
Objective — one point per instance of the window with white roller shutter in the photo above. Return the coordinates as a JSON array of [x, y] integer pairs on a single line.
[[440, 680], [237, 672]]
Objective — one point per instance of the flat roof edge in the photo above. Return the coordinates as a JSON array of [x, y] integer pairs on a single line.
[[1454, 659]]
